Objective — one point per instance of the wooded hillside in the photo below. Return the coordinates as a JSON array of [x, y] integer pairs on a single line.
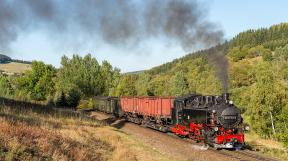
[[258, 78], [4, 58]]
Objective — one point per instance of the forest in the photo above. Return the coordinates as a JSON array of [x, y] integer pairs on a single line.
[[258, 79]]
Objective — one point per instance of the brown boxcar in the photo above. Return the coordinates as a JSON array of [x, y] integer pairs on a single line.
[[158, 107]]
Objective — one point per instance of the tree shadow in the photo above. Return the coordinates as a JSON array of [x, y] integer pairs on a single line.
[[19, 107], [115, 122]]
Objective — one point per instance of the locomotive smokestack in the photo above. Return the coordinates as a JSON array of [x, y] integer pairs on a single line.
[[226, 97]]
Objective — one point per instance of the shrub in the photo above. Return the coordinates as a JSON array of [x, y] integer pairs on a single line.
[[73, 98], [60, 99], [83, 104], [86, 104]]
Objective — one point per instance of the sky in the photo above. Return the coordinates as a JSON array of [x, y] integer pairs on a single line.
[[231, 17]]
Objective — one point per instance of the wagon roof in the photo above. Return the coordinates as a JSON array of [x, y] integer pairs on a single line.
[[104, 97]]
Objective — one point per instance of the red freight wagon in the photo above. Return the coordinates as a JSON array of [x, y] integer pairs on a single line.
[[153, 112], [159, 107]]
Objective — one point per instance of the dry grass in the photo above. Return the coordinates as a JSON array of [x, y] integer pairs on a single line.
[[33, 136], [29, 134], [267, 146], [14, 67]]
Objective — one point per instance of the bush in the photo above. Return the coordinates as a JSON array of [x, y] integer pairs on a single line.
[[60, 99], [73, 98], [90, 103], [260, 51], [83, 104], [237, 54], [86, 104], [5, 86], [267, 56], [281, 53]]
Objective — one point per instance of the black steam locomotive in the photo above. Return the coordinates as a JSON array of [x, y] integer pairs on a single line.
[[213, 119]]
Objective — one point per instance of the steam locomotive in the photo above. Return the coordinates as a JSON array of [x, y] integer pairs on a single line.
[[214, 120]]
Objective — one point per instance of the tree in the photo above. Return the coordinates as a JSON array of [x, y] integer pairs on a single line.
[[5, 86], [178, 84], [282, 125], [60, 99], [115, 81], [142, 85], [73, 97], [241, 74], [126, 86], [237, 53], [82, 74], [110, 76], [260, 51], [266, 100], [159, 86], [281, 54], [107, 75], [38, 83]]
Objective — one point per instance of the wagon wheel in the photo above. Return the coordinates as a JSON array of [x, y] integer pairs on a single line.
[[206, 139], [144, 120], [191, 136]]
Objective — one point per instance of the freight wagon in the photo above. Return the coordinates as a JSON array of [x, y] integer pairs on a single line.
[[153, 112], [108, 105]]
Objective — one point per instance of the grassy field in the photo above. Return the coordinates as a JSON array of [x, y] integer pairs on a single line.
[[266, 146], [44, 134], [14, 67]]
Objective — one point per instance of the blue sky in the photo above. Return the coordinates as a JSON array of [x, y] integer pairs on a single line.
[[236, 16], [232, 16]]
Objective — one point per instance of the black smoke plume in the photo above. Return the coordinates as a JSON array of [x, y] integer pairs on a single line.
[[217, 57], [117, 22]]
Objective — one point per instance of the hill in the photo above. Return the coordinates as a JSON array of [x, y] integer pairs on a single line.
[[11, 66], [4, 59], [270, 38], [14, 68], [257, 72]]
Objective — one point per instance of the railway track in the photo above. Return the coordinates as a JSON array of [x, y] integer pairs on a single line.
[[256, 156], [241, 155]]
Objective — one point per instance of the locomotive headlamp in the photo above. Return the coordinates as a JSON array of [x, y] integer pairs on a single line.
[[214, 111], [246, 128], [230, 102], [216, 129]]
